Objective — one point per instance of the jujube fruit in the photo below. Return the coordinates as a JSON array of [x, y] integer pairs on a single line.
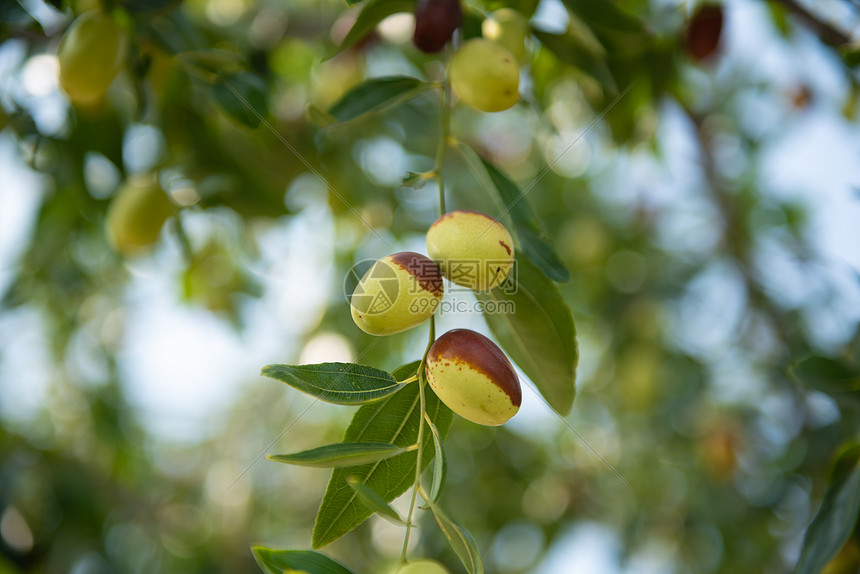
[[397, 293], [704, 31], [509, 28], [90, 55], [472, 249], [435, 22], [422, 567], [485, 75], [473, 377], [136, 215]]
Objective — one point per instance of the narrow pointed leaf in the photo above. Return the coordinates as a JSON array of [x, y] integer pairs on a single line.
[[541, 252], [340, 455], [836, 517], [525, 226], [279, 561], [539, 335], [393, 420], [338, 383], [373, 501], [439, 464], [376, 95], [838, 378], [535, 246], [461, 542]]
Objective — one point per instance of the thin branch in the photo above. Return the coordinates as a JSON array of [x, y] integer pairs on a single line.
[[825, 31], [736, 241]]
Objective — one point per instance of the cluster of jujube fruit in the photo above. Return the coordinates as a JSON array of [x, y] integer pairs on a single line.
[[484, 72], [90, 55], [466, 370]]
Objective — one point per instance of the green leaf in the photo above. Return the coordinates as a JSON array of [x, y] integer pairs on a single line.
[[837, 378], [461, 541], [541, 253], [280, 561], [376, 95], [373, 501], [470, 27], [340, 455], [439, 464], [393, 420], [13, 15], [533, 243], [338, 383], [851, 56], [569, 50], [374, 12], [540, 335], [836, 517], [605, 14], [243, 96], [827, 375]]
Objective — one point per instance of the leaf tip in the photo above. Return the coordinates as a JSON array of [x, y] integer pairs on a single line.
[[268, 369]]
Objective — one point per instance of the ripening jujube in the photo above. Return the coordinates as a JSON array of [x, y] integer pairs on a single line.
[[472, 249], [473, 377], [704, 31], [90, 55], [435, 22], [136, 215], [485, 75], [397, 293]]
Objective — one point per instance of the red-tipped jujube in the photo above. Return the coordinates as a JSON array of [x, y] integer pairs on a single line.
[[704, 31], [435, 22], [473, 377]]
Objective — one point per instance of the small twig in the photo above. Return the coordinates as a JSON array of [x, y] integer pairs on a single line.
[[735, 238], [442, 145], [420, 444], [826, 32]]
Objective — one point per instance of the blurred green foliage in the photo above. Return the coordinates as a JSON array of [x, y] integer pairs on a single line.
[[703, 385]]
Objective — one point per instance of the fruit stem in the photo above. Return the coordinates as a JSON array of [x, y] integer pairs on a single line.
[[420, 444], [411, 379], [184, 241], [427, 498], [443, 144]]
